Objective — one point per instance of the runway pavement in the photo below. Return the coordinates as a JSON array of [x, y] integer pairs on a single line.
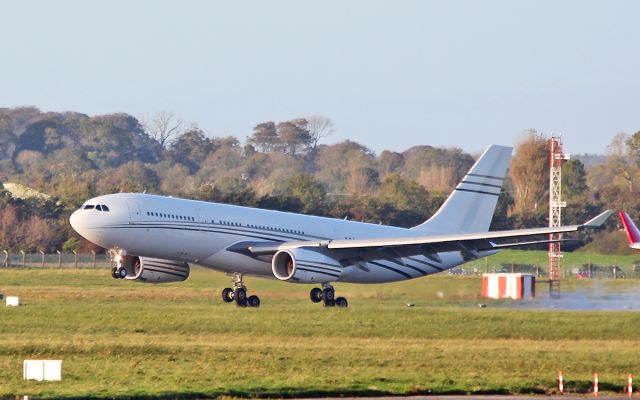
[[488, 397]]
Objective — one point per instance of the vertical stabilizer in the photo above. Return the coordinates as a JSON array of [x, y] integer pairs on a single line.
[[470, 207], [631, 230]]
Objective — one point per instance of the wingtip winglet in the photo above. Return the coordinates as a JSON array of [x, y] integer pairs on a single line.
[[598, 220]]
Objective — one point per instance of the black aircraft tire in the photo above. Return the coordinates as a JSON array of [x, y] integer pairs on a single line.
[[240, 296], [316, 295], [254, 301], [227, 295], [328, 294], [329, 303]]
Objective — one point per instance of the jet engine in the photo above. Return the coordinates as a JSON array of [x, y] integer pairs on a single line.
[[154, 270], [305, 266]]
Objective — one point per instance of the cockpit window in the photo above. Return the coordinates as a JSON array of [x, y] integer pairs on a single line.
[[105, 208], [99, 207], [89, 207]]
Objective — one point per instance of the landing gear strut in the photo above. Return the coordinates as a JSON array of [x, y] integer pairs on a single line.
[[327, 296], [119, 271], [239, 293]]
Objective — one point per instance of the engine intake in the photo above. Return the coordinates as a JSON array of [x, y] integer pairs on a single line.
[[155, 270], [305, 266]]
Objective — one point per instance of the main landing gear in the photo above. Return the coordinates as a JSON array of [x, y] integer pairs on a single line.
[[327, 296], [239, 294]]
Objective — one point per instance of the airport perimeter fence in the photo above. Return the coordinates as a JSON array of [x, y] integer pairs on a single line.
[[584, 271], [55, 260], [91, 260]]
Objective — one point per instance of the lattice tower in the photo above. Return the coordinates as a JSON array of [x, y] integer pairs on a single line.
[[556, 157]]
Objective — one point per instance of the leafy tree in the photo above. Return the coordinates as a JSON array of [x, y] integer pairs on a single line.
[[119, 138], [228, 190], [191, 148], [574, 179], [437, 169], [294, 136], [389, 162], [72, 244], [529, 172], [363, 180], [7, 138], [265, 136], [404, 194], [176, 179], [133, 176], [336, 163], [10, 227], [633, 146], [308, 190]]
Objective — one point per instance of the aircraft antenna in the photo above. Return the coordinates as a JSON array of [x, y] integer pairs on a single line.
[[555, 211]]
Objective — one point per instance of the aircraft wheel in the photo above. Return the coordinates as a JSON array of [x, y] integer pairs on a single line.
[[122, 273], [114, 271], [254, 301], [329, 303], [328, 294], [240, 296], [227, 295], [316, 295], [342, 302]]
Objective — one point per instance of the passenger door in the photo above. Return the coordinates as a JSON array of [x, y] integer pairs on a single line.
[[134, 211]]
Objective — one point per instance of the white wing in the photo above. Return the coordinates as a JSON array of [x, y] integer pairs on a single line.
[[471, 242]]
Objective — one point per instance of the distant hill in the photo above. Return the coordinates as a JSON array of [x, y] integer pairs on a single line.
[[590, 160]]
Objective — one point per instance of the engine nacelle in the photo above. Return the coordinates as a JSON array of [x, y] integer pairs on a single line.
[[305, 266], [155, 270]]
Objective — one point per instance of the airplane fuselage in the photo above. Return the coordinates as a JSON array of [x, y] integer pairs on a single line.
[[204, 233]]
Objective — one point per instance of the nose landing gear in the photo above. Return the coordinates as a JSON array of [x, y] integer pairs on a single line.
[[119, 271], [326, 295], [239, 293]]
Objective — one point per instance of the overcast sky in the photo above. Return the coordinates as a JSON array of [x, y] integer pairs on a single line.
[[390, 74]]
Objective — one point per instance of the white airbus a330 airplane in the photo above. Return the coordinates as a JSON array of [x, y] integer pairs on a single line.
[[154, 238]]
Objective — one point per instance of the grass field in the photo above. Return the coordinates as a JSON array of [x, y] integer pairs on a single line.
[[180, 341]]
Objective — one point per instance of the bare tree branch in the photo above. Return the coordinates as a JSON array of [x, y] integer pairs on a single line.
[[162, 126], [319, 127]]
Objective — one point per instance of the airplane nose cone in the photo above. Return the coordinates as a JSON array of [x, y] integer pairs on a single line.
[[74, 220]]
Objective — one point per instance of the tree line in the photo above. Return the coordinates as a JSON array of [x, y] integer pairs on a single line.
[[281, 165]]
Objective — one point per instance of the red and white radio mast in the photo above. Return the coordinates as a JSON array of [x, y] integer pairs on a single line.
[[555, 211]]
